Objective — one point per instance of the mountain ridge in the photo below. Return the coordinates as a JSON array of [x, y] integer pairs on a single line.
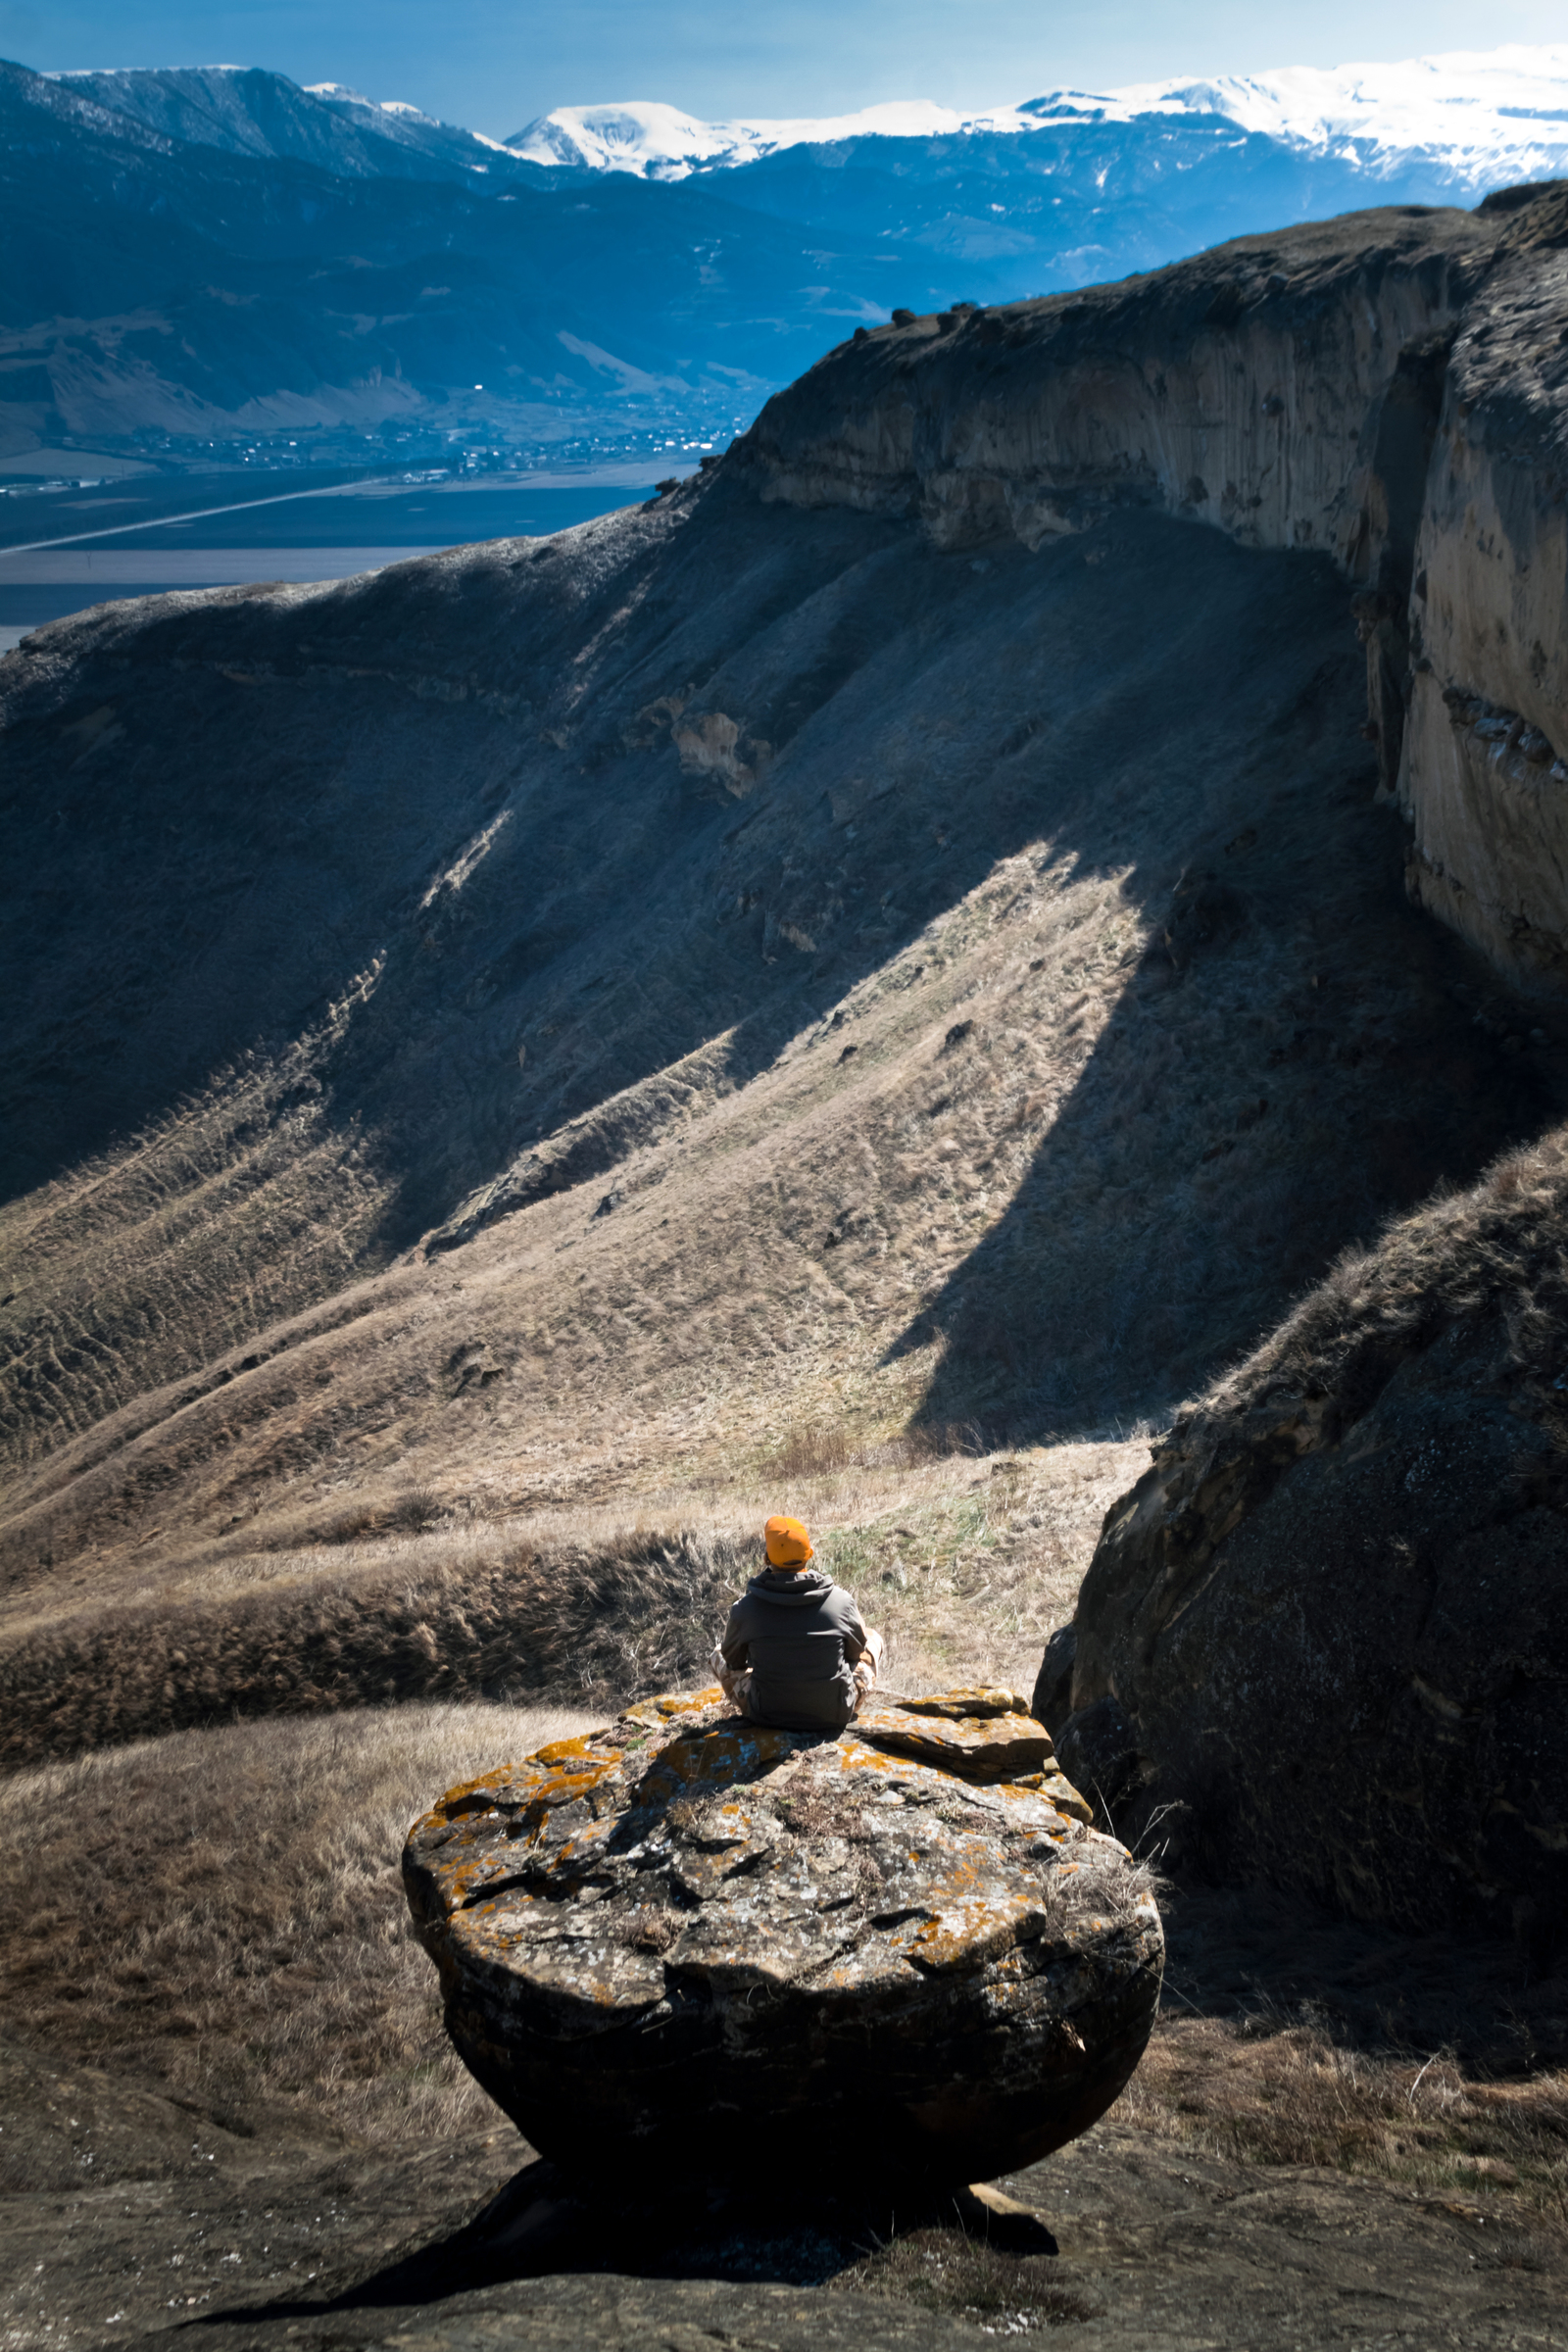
[[153, 300], [251, 111], [1390, 120]]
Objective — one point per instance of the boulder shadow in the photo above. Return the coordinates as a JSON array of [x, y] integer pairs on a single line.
[[541, 2224]]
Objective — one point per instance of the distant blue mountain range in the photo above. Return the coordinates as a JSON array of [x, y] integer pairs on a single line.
[[216, 259]]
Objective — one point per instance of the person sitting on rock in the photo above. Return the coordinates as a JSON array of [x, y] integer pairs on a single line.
[[794, 1652]]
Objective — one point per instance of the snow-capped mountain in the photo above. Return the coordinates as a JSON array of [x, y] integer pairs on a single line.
[[247, 111], [616, 254], [1467, 120], [1481, 115], [659, 142]]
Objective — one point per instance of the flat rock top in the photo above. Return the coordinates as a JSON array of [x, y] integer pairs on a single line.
[[932, 1833]]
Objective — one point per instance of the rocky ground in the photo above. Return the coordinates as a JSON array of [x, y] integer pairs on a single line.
[[1338, 2134], [143, 2217]]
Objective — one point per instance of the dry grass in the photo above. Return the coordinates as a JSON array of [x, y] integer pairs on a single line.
[[1074, 1212], [1266, 2089], [637, 1613], [968, 1571], [1291, 2036], [1501, 1247], [223, 1912], [963, 2277], [746, 1310], [965, 1564]]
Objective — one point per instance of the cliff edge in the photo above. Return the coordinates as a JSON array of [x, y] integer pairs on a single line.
[[1388, 388]]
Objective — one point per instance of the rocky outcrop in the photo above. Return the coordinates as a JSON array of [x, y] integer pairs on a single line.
[[1246, 388], [1484, 779], [1296, 391], [1326, 1636], [905, 1941]]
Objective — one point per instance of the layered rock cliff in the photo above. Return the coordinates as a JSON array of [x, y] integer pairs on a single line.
[[1484, 779], [1246, 388], [1388, 388]]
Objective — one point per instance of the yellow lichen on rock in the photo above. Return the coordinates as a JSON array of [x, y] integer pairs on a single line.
[[987, 1743], [688, 1914]]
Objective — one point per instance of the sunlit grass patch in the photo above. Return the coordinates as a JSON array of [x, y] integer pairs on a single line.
[[223, 1912], [1278, 2090]]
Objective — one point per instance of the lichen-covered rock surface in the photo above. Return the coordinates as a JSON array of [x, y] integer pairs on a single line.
[[686, 1930]]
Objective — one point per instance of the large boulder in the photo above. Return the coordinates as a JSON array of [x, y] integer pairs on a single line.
[[1326, 1636], [696, 1939]]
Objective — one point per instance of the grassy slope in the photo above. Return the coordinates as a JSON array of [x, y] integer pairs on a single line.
[[1071, 1136], [951, 1109]]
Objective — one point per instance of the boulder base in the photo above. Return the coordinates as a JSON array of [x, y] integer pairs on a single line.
[[715, 1945]]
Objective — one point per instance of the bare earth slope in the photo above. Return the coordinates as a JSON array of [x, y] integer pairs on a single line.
[[833, 947]]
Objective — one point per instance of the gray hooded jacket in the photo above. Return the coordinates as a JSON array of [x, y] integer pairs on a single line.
[[800, 1635]]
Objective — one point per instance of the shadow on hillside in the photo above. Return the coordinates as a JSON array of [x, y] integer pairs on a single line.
[[515, 921], [1264, 1093], [1148, 701]]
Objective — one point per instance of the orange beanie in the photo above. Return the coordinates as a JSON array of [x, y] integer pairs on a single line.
[[788, 1543]]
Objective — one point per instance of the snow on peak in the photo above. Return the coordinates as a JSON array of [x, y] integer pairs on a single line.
[[1479, 116], [1477, 112], [341, 94], [659, 142]]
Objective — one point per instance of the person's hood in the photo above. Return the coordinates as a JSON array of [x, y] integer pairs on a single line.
[[789, 1591]]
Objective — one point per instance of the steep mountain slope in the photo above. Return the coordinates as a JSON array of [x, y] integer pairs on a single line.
[[906, 915], [251, 112], [1073, 203]]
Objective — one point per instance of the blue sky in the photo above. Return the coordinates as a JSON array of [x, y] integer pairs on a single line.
[[494, 64]]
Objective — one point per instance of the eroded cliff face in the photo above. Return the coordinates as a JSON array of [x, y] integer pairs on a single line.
[[1244, 388], [1388, 388], [1483, 780]]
